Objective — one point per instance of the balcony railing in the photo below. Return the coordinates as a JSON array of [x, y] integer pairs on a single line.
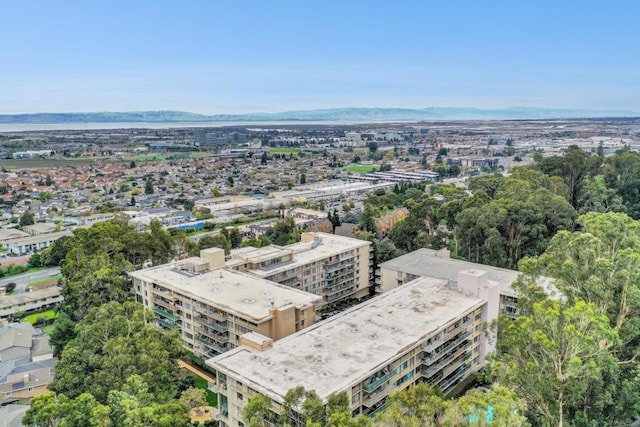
[[211, 345], [381, 380], [455, 378], [377, 395], [379, 409], [164, 303], [164, 323], [220, 316], [214, 335], [164, 313]]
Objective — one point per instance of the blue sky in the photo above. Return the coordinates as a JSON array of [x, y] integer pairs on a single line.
[[239, 56]]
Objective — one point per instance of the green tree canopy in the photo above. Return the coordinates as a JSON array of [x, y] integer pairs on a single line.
[[113, 342]]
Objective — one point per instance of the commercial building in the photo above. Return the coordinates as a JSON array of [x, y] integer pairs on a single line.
[[26, 362], [422, 331], [211, 306], [333, 267]]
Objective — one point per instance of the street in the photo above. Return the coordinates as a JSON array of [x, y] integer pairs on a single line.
[[22, 280]]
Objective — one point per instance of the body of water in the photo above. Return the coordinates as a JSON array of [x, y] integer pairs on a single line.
[[24, 127]]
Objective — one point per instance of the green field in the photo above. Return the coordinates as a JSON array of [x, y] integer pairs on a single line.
[[149, 158], [199, 155], [284, 150], [361, 168], [43, 281], [212, 398], [49, 314]]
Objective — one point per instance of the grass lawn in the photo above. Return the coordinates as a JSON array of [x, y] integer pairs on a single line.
[[361, 168], [212, 398], [27, 271], [199, 155], [51, 279], [32, 318], [284, 150], [148, 158]]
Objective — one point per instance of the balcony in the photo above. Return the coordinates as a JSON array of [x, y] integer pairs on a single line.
[[379, 409], [164, 313], [455, 378], [217, 315], [164, 303], [374, 384], [378, 394], [339, 296], [211, 345], [165, 324], [213, 335], [336, 289], [220, 327]]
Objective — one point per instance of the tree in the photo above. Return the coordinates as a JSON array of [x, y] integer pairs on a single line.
[[217, 241], [372, 146], [26, 219], [132, 165], [10, 287], [148, 186], [334, 218], [113, 342], [257, 412], [303, 178], [235, 238], [193, 397], [417, 406], [48, 181], [284, 232], [63, 332], [53, 410], [264, 158], [368, 219], [133, 201], [35, 260], [552, 355], [230, 181], [162, 243], [92, 281], [423, 406]]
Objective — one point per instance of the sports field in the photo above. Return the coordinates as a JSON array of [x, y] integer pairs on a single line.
[[361, 168]]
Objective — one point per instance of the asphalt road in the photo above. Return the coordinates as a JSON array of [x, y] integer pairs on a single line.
[[22, 280]]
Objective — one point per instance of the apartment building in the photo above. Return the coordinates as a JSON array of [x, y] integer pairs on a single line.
[[333, 267], [211, 306], [422, 331], [438, 264], [30, 302], [25, 245]]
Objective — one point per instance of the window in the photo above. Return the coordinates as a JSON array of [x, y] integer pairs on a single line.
[[30, 389], [239, 396], [7, 394]]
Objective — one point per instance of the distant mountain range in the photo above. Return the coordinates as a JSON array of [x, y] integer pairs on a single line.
[[334, 114]]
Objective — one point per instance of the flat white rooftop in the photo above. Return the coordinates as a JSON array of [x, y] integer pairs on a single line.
[[231, 291], [343, 350], [426, 262], [305, 252]]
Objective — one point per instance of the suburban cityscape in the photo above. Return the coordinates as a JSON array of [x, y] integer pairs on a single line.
[[287, 265], [319, 214]]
